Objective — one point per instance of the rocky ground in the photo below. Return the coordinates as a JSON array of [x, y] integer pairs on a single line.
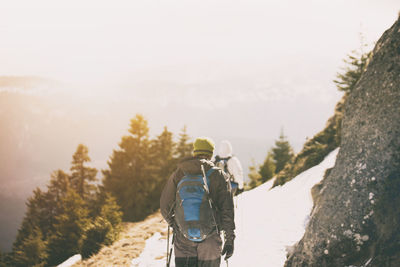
[[130, 244]]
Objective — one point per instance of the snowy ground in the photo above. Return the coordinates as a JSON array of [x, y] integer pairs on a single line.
[[71, 261], [267, 222]]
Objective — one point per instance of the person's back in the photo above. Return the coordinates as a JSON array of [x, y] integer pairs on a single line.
[[230, 164], [207, 252]]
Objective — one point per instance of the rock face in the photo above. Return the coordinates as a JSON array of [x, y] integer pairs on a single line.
[[356, 216]]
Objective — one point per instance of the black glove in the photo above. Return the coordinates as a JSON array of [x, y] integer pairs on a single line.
[[228, 248]]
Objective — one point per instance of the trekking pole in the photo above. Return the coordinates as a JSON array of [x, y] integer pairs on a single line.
[[168, 247], [208, 196], [172, 246], [224, 240]]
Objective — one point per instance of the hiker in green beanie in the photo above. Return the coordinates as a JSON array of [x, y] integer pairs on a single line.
[[196, 202], [203, 147]]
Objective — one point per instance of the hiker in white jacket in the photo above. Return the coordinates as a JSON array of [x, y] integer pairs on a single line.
[[230, 164]]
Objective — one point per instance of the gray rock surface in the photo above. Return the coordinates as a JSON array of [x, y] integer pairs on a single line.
[[356, 217]]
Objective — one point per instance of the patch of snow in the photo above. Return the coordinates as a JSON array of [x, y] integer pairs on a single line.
[[348, 233], [368, 262], [357, 239], [71, 261], [268, 222], [154, 253], [365, 238]]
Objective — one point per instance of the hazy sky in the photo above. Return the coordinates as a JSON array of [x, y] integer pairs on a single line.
[[100, 40], [229, 69]]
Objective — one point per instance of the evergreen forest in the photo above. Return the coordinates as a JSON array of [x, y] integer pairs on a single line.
[[78, 213]]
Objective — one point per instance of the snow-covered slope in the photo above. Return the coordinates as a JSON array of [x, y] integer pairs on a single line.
[[268, 222]]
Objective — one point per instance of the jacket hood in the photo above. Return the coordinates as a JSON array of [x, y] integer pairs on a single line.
[[225, 149], [192, 165]]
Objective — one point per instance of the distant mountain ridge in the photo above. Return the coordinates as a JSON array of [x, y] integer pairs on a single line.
[[25, 83]]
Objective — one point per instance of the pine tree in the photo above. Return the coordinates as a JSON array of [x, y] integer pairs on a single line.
[[32, 251], [254, 175], [39, 215], [184, 147], [267, 169], [68, 236], [97, 234], [105, 228], [6, 259], [59, 185], [56, 223], [356, 63], [112, 212], [57, 190], [40, 218], [81, 175], [163, 161], [282, 153], [129, 177]]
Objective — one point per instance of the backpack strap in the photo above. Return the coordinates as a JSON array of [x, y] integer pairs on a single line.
[[208, 173], [206, 179]]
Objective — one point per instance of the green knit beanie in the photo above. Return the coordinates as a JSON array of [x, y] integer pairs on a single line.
[[203, 146]]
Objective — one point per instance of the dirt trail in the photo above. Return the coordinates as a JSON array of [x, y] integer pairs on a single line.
[[130, 244]]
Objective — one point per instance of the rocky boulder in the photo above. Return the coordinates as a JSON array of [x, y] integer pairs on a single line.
[[356, 216]]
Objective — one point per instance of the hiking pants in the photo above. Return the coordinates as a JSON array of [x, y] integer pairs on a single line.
[[197, 254]]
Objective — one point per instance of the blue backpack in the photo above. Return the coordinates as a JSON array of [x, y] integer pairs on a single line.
[[194, 213]]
